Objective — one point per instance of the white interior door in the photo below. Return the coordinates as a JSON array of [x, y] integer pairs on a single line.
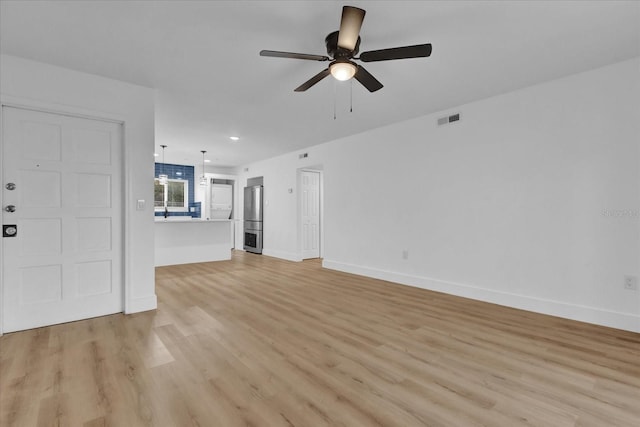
[[65, 261], [310, 198]]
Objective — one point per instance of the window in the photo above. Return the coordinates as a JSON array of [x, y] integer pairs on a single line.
[[175, 193]]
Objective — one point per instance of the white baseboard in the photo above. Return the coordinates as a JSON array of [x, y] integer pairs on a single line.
[[283, 255], [137, 305], [598, 316]]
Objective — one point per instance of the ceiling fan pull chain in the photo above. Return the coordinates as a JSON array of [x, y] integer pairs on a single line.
[[351, 96], [335, 91]]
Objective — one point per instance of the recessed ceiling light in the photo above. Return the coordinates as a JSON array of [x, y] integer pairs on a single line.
[[207, 161], [234, 138]]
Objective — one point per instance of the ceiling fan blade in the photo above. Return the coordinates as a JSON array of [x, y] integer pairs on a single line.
[[350, 24], [278, 54], [312, 81], [371, 83], [416, 51]]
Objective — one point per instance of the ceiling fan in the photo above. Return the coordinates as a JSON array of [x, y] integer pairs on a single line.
[[343, 46]]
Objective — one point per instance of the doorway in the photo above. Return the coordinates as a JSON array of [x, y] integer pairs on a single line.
[[310, 195]]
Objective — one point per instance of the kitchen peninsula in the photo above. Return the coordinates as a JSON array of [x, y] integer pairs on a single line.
[[182, 240]]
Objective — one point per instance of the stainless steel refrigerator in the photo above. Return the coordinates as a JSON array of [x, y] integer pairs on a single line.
[[253, 219]]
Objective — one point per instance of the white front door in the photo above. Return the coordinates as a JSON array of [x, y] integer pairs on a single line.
[[65, 261], [310, 199]]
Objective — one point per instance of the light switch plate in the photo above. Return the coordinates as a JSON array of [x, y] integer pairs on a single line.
[[140, 205]]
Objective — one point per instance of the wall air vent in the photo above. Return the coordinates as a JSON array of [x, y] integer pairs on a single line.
[[303, 155], [449, 119]]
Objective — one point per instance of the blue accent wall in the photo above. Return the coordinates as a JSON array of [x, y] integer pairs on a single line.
[[180, 172]]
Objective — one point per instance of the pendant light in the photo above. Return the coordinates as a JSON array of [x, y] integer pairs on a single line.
[[163, 178], [203, 179]]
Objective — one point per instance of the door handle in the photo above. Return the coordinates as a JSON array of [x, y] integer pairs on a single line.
[[10, 208]]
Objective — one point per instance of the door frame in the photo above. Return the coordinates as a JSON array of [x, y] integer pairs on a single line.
[[83, 113], [317, 169]]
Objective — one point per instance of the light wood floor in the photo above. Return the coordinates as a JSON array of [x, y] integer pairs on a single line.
[[257, 341]]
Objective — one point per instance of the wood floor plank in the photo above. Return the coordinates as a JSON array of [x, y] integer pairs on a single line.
[[257, 341]]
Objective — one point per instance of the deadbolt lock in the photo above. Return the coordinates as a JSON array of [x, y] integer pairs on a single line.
[[9, 230], [10, 186]]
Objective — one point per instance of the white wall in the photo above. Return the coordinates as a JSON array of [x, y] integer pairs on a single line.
[[44, 86], [280, 237], [532, 200]]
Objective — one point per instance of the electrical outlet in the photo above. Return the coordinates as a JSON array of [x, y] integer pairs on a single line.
[[631, 283], [405, 254]]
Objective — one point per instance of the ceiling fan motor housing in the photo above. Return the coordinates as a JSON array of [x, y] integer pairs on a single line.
[[336, 52]]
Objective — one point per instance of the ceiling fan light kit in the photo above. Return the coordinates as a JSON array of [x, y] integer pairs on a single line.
[[343, 46], [342, 71]]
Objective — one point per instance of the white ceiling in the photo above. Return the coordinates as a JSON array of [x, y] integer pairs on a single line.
[[202, 57]]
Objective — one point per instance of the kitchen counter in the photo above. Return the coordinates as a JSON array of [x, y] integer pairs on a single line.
[[185, 240], [188, 219]]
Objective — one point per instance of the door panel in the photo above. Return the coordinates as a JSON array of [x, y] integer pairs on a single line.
[[94, 277], [41, 141], [93, 190], [253, 203], [40, 284], [39, 189], [65, 262], [93, 234], [91, 146], [40, 236]]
